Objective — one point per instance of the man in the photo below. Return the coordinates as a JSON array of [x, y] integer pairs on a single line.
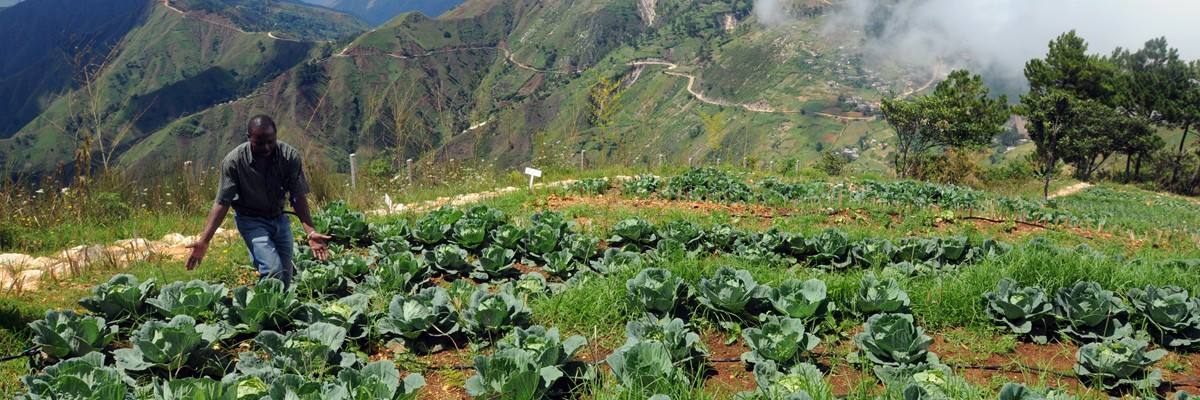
[[255, 180]]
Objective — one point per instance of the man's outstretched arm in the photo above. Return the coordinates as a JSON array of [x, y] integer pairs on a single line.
[[316, 240], [200, 246]]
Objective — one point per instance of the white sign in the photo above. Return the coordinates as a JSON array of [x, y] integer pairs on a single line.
[[532, 173]]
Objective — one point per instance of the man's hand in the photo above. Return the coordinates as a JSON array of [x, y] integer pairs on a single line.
[[198, 250], [318, 242]]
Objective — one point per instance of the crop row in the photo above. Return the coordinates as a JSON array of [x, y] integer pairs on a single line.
[[711, 184]]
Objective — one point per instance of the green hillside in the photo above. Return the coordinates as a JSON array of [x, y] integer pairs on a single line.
[[502, 82], [281, 19], [170, 65], [47, 43]]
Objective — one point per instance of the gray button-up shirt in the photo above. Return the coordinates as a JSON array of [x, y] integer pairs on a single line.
[[261, 190]]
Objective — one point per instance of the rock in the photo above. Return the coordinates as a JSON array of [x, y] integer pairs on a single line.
[[28, 280], [18, 261]]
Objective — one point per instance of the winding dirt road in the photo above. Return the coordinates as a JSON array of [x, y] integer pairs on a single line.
[[761, 108]]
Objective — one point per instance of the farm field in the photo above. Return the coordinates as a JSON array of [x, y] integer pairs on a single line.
[[707, 284]]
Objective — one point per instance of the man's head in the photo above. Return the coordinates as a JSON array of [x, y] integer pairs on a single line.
[[260, 132]]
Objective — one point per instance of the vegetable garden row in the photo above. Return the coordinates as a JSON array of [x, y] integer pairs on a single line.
[[450, 279], [711, 184]]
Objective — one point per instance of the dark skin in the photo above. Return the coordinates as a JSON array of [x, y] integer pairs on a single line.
[[263, 143]]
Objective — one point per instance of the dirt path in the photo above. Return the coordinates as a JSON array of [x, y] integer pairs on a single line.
[[1070, 190], [753, 107]]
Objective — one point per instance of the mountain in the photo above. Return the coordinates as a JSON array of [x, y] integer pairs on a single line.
[[496, 82], [377, 12], [46, 45], [179, 58]]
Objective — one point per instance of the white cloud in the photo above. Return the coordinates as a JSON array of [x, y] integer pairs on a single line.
[[999, 36]]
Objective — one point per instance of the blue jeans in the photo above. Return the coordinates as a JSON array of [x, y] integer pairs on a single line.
[[271, 245]]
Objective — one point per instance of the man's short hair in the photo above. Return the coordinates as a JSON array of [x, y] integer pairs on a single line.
[[259, 121]]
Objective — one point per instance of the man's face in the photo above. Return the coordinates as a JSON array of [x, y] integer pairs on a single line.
[[262, 141]]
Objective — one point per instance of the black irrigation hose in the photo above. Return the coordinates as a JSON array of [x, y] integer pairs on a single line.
[[1004, 368], [30, 352]]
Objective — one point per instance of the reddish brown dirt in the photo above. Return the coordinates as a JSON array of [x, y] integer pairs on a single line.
[[437, 387], [525, 269], [728, 377], [762, 213]]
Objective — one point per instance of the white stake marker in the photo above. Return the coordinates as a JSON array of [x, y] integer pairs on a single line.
[[533, 173]]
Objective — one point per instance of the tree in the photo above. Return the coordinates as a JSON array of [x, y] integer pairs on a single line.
[[958, 113], [1057, 124], [1068, 68], [604, 103], [1155, 85]]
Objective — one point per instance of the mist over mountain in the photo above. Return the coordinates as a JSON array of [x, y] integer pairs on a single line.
[[997, 37]]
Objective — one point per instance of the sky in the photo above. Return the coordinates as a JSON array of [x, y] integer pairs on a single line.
[[999, 36]]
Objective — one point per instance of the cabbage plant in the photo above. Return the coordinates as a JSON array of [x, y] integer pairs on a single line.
[[682, 343], [618, 259], [802, 381], [337, 220], [165, 346], [493, 314], [1119, 362], [581, 246], [1088, 312], [657, 291], [420, 318], [395, 273], [1173, 318], [508, 236], [552, 219], [350, 313], [685, 232], [800, 299], [560, 264], [896, 345], [377, 380], [779, 339], [541, 239], [494, 262], [312, 351], [81, 378], [634, 231], [65, 334], [880, 296], [448, 259], [830, 247], [267, 305], [318, 279], [732, 291], [196, 298], [202, 388], [872, 252], [642, 185], [470, 232], [120, 299], [533, 364], [1026, 311], [646, 368], [722, 237], [491, 217]]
